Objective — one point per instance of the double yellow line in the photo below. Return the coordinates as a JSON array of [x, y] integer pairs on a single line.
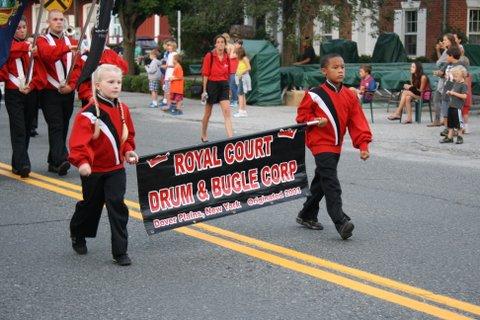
[[367, 283]]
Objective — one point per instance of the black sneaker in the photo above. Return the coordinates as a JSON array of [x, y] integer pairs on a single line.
[[459, 140], [444, 133], [25, 172], [122, 260], [79, 245], [310, 224], [63, 168], [345, 229], [446, 140]]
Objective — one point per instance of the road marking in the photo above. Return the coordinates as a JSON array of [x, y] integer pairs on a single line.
[[373, 278], [46, 183]]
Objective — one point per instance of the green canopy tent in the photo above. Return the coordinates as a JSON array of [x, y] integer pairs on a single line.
[[389, 48], [346, 48], [472, 51], [265, 73]]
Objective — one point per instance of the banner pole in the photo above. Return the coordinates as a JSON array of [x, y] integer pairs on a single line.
[[35, 37], [312, 123], [82, 35]]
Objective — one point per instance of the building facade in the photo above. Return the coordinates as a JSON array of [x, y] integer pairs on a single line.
[[155, 27]]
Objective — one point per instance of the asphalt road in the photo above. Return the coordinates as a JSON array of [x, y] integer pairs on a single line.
[[416, 215]]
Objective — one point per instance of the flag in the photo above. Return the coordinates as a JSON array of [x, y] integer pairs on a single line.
[[99, 38], [212, 180], [10, 14]]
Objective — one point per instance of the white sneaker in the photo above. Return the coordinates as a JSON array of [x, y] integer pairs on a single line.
[[465, 129], [241, 114]]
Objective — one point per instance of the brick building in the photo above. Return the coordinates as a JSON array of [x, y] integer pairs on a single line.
[[418, 23], [156, 26]]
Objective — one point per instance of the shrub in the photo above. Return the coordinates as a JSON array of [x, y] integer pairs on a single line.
[[365, 59]]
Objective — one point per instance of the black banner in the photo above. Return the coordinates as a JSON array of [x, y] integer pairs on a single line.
[[99, 38], [213, 180]]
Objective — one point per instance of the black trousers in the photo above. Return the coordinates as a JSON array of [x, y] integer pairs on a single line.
[[325, 183], [57, 110], [20, 108], [99, 189]]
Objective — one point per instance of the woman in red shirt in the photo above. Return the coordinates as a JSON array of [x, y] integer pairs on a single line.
[[216, 72]]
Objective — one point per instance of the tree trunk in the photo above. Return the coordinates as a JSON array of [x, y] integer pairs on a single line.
[[290, 48], [129, 30]]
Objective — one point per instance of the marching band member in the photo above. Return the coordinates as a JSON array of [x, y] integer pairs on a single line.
[[21, 97], [56, 51], [109, 56]]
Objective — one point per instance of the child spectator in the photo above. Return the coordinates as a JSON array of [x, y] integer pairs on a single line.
[[457, 95], [163, 63], [171, 48], [154, 74], [176, 86], [453, 56], [418, 88], [367, 84], [243, 81], [336, 108], [99, 156]]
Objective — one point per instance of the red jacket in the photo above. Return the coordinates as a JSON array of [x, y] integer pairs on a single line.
[[108, 57], [216, 70], [19, 50], [51, 54], [342, 110], [106, 153]]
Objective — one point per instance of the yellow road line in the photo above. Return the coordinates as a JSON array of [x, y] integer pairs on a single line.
[[385, 282], [346, 282], [326, 276]]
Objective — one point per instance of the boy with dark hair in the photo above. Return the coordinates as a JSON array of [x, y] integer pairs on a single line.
[[336, 108], [453, 56]]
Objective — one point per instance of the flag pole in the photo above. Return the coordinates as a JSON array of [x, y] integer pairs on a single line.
[[82, 35], [35, 37]]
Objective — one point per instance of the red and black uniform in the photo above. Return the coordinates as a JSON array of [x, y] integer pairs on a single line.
[[57, 108], [21, 107], [107, 183], [85, 88], [218, 72], [341, 108]]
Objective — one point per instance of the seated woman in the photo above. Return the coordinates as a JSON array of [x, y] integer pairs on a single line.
[[418, 87], [367, 84]]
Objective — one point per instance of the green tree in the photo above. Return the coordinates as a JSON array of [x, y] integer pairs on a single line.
[[132, 14]]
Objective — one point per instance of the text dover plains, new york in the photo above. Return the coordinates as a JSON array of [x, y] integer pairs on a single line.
[[190, 185]]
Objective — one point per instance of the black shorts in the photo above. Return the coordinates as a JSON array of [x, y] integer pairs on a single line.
[[455, 120], [217, 91]]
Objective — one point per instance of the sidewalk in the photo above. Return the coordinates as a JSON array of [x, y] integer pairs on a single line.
[[391, 139]]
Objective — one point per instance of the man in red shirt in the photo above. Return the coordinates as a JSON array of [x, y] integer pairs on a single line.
[[56, 51]]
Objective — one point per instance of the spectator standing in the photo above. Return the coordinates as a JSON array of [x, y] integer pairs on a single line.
[[216, 72], [177, 86], [172, 51], [154, 73], [233, 69], [457, 95], [243, 80]]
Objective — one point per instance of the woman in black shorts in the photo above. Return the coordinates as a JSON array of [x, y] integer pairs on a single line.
[[215, 72]]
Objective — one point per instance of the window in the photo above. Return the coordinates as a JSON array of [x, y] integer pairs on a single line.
[[474, 26], [411, 20]]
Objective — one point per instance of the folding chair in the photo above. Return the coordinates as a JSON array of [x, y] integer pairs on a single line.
[[418, 105], [370, 93]]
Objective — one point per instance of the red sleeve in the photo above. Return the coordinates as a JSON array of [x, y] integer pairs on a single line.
[[79, 143], [305, 111], [358, 127], [206, 64], [39, 77], [129, 145], [18, 49], [3, 73], [49, 54]]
